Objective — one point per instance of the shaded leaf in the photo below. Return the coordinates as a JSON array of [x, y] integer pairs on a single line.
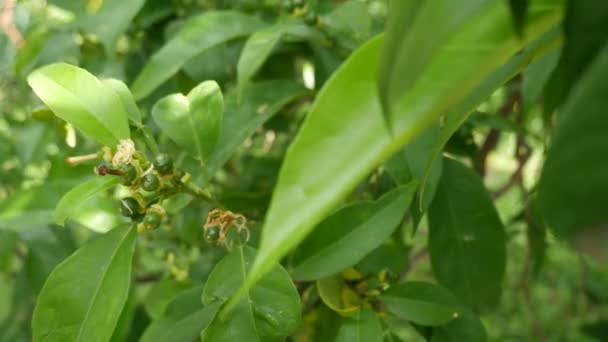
[[345, 237], [421, 303], [573, 181], [183, 320], [71, 203], [465, 230], [337, 295], [245, 113], [364, 325], [197, 35], [270, 311]]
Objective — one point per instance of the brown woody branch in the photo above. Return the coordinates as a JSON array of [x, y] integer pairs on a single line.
[[8, 25]]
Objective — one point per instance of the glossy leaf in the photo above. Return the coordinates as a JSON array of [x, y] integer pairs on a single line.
[[246, 112], [71, 203], [270, 311], [420, 303], [573, 182], [467, 232], [364, 325], [347, 236], [126, 98], [101, 272], [183, 320], [197, 35], [457, 115], [81, 99], [193, 122], [345, 136]]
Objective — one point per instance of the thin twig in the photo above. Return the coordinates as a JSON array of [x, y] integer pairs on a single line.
[[8, 25]]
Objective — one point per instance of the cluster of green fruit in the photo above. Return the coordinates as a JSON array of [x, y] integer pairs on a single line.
[[159, 180], [300, 8]]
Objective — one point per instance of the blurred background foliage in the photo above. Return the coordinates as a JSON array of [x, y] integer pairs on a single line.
[[555, 295]]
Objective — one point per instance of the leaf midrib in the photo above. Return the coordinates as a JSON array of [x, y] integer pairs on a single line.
[[101, 282]]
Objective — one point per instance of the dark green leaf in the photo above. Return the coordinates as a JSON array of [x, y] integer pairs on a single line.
[[270, 311], [518, 11], [79, 98], [534, 78], [161, 294], [345, 237], [197, 35], [466, 238], [8, 244], [421, 303], [573, 182], [101, 272], [183, 320], [363, 325], [585, 33], [245, 113], [110, 20]]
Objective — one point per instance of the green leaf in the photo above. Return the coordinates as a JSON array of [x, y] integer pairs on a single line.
[[193, 122], [183, 320], [518, 11], [110, 20], [534, 78], [585, 34], [345, 136], [573, 182], [71, 203], [126, 98], [349, 24], [81, 99], [363, 325], [197, 35], [457, 115], [245, 113], [421, 303], [270, 312], [337, 295], [161, 294], [8, 244], [83, 297], [465, 230], [347, 236], [257, 49]]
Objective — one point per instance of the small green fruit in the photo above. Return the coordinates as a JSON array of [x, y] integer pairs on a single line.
[[150, 182], [129, 173], [152, 220], [212, 234], [163, 164], [129, 207]]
